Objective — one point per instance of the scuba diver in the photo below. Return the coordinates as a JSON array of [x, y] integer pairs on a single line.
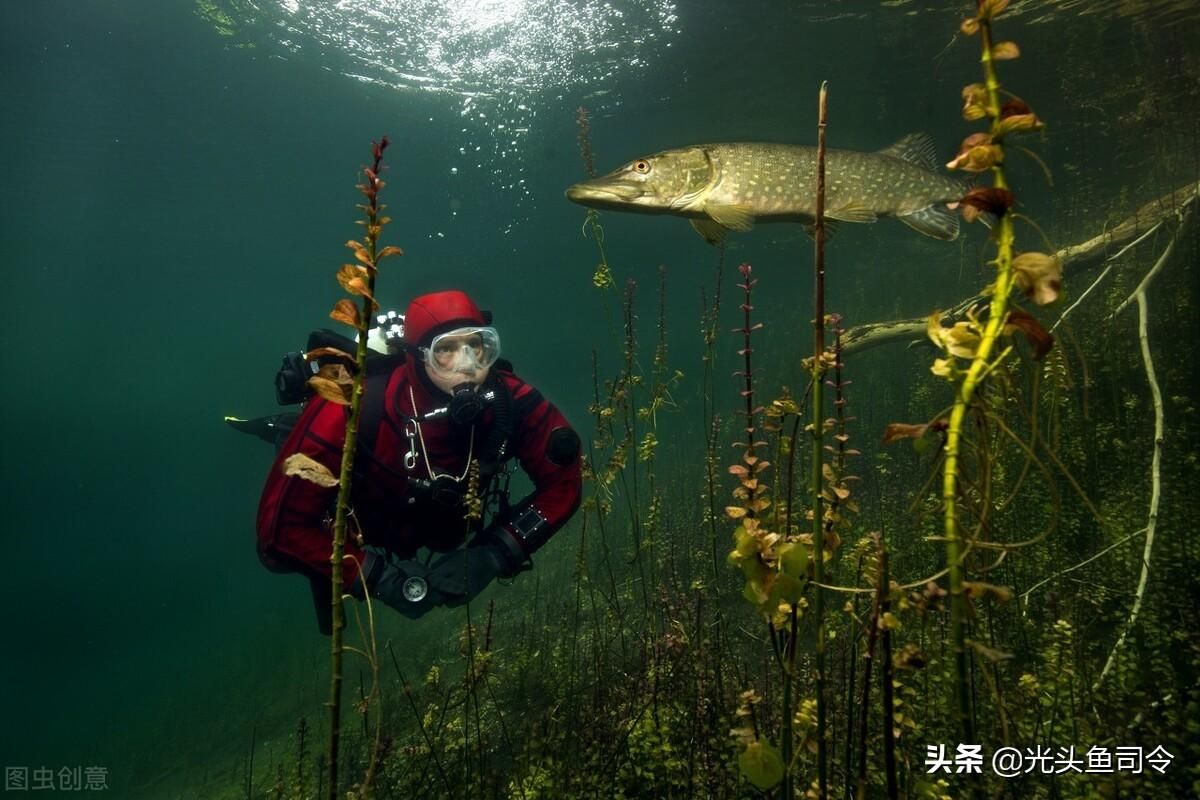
[[442, 417]]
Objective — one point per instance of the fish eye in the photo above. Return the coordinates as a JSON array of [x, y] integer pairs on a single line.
[[641, 166]]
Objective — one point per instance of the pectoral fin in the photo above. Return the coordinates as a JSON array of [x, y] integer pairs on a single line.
[[710, 231], [733, 216], [852, 213]]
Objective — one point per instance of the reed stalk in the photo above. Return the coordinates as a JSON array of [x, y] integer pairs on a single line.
[[980, 366], [818, 457], [370, 187]]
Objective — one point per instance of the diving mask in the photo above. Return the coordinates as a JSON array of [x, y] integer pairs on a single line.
[[462, 351]]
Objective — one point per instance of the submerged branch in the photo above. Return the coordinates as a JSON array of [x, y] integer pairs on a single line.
[[1155, 459], [1073, 258]]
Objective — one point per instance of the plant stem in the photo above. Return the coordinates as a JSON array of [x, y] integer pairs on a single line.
[[869, 656], [980, 364], [371, 190], [818, 543], [885, 663]]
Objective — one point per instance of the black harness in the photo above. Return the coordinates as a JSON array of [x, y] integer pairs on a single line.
[[444, 490]]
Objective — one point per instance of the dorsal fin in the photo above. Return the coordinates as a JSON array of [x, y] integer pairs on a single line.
[[916, 148]]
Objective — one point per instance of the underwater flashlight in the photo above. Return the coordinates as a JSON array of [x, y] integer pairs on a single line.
[[415, 589], [392, 325]]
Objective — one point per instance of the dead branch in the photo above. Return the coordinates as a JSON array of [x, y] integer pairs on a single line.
[[1074, 258]]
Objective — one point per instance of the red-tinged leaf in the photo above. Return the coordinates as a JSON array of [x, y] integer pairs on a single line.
[[358, 286], [354, 244], [321, 352], [390, 250], [348, 273], [364, 257], [1038, 337], [329, 390], [988, 199], [1015, 108], [974, 101], [969, 27], [739, 470], [1018, 123], [977, 154], [896, 431], [1005, 51], [735, 512], [345, 311], [990, 9], [760, 466]]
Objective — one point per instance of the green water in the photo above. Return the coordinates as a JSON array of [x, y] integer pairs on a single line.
[[178, 180]]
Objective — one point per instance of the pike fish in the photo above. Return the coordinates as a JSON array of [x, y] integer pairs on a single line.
[[730, 186]]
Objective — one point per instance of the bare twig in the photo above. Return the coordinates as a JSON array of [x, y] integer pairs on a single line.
[[1129, 233], [1156, 458]]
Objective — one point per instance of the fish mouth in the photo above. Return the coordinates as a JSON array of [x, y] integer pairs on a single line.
[[604, 195]]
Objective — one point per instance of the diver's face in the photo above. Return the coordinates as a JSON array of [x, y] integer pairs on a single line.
[[454, 360]]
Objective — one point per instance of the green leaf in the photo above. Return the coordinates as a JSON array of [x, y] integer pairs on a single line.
[[786, 589], [793, 558], [745, 542], [761, 764]]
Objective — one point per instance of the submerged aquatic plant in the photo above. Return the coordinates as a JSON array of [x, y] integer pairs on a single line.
[[602, 278], [334, 383], [779, 563], [976, 340]]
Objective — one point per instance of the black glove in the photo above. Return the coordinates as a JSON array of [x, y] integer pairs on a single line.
[[403, 585], [461, 575]]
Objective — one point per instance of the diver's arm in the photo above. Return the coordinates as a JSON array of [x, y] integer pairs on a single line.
[[548, 450]]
